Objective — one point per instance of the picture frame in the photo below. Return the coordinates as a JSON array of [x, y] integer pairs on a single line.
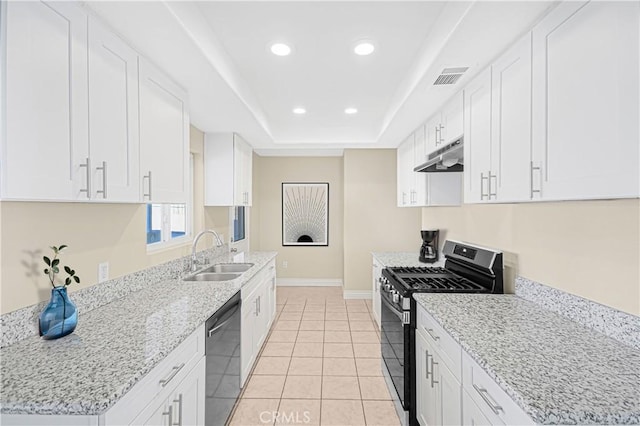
[[305, 214]]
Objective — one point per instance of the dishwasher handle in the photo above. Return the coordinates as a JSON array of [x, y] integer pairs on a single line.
[[215, 327]]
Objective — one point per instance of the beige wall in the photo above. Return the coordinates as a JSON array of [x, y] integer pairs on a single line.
[[266, 215], [372, 222], [95, 233], [587, 248]]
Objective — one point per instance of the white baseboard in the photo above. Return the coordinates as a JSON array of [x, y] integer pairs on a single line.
[[309, 282], [356, 294]]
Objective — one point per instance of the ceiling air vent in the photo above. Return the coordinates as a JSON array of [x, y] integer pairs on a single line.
[[450, 75]]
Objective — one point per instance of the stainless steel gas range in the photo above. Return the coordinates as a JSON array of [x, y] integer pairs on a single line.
[[467, 269]]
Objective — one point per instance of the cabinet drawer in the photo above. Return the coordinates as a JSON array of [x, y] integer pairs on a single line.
[[495, 404], [448, 348], [159, 382]]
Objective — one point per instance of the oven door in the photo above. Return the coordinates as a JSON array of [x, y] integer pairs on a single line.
[[394, 341]]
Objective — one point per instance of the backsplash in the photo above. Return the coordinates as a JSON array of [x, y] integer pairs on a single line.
[[23, 323], [616, 324]]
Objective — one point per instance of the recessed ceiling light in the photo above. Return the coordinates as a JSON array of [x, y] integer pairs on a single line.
[[364, 48], [350, 110], [299, 110], [280, 49]]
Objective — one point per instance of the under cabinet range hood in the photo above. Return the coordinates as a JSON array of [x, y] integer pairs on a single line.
[[446, 159]]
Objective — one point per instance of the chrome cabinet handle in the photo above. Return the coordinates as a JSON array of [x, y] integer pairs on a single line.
[[88, 168], [437, 137], [482, 179], [148, 177], [484, 394], [169, 413], [255, 312], [179, 401], [492, 194], [103, 191], [259, 304], [535, 191], [433, 373], [441, 139], [174, 371], [404, 196], [432, 334]]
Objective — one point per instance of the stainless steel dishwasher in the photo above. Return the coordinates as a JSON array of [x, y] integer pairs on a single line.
[[222, 350]]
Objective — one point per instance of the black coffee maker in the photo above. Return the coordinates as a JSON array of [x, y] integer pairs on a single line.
[[429, 249]]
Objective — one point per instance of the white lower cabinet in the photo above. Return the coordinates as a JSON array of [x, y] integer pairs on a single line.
[[438, 388], [451, 388], [258, 311], [184, 406]]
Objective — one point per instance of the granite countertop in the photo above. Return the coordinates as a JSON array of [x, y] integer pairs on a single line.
[[112, 348], [389, 259], [557, 371]]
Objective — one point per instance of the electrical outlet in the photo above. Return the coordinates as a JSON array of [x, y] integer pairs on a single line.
[[103, 272], [285, 264]]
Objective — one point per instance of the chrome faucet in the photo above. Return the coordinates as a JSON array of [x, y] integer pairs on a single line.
[[194, 258]]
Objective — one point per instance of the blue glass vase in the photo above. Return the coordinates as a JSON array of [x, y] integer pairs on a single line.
[[59, 317]]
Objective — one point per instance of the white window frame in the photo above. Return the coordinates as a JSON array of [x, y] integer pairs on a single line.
[[166, 217]]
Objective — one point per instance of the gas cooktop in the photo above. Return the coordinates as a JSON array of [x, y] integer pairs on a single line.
[[468, 269]]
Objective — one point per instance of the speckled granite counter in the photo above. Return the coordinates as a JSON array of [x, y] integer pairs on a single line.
[[557, 371], [403, 259], [112, 348]]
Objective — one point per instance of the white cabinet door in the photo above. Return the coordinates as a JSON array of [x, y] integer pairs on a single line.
[[452, 126], [404, 157], [432, 133], [189, 398], [471, 414], [420, 146], [477, 133], [228, 170], [45, 148], [113, 117], [585, 101], [242, 163], [426, 391], [164, 137], [511, 124], [450, 397], [247, 351]]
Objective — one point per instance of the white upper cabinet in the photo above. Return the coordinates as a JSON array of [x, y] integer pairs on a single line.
[[585, 101], [45, 150], [509, 179], [497, 125], [477, 138], [164, 137], [113, 117], [444, 126], [419, 189], [228, 162], [451, 124]]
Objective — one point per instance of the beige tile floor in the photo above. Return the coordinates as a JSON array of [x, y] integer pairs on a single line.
[[319, 366]]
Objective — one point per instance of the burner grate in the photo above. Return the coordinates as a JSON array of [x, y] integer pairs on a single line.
[[419, 270], [449, 284]]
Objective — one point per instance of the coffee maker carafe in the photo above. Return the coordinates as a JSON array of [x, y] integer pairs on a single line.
[[429, 249]]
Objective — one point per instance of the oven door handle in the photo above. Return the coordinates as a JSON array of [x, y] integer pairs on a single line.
[[391, 307]]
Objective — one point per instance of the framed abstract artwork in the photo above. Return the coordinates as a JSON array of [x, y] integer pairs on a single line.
[[305, 214]]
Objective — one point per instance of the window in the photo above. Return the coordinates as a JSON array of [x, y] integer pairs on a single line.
[[166, 222], [169, 224], [239, 224]]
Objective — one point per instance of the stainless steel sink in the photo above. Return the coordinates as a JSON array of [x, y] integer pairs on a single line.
[[211, 276], [227, 267]]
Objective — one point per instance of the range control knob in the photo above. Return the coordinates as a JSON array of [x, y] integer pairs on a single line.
[[387, 287], [396, 297]]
